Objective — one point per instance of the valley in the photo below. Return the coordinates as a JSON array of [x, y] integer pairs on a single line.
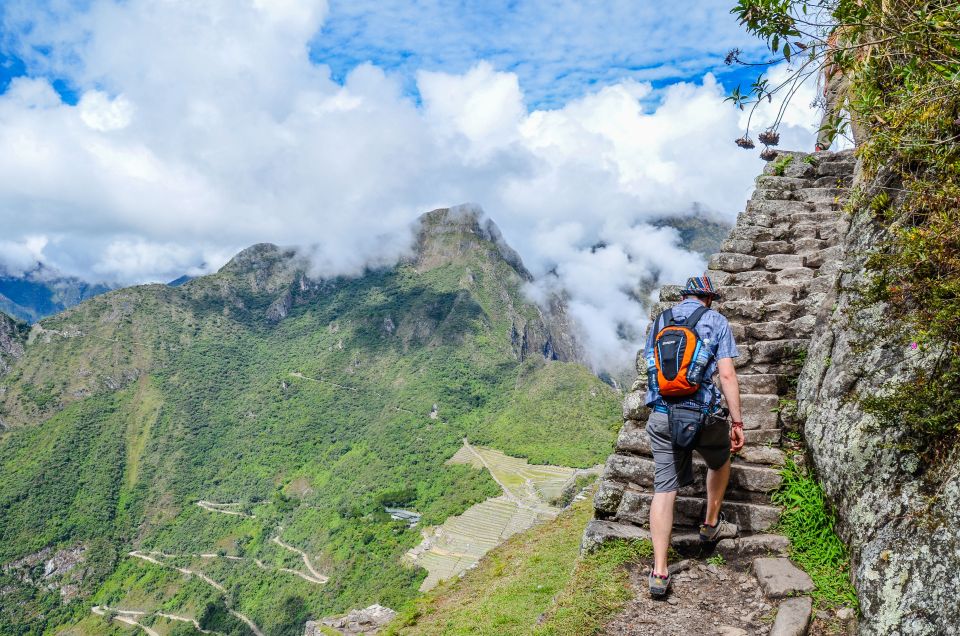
[[224, 451]]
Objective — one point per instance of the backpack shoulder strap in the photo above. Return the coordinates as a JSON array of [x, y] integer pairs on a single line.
[[665, 318], [695, 317]]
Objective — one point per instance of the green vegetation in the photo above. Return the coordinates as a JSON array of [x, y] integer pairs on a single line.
[[780, 165], [717, 559], [535, 583], [814, 545], [139, 403]]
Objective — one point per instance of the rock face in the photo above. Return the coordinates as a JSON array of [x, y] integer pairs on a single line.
[[365, 621], [12, 336], [775, 270], [905, 549]]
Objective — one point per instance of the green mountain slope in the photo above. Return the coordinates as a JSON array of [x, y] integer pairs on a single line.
[[217, 429]]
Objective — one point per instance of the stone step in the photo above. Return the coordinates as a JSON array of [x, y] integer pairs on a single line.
[[754, 545], [751, 311], [778, 351], [778, 208], [833, 181], [690, 512], [763, 437], [778, 262], [756, 233], [765, 455], [770, 248], [766, 293], [816, 259], [762, 383], [738, 246], [821, 195], [835, 168], [774, 182], [732, 262], [793, 617], [639, 471], [760, 410], [601, 531], [816, 217], [780, 578], [633, 439], [807, 246]]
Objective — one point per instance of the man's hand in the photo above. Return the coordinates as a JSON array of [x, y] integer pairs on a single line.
[[736, 438]]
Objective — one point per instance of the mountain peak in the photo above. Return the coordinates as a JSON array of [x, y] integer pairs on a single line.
[[445, 233]]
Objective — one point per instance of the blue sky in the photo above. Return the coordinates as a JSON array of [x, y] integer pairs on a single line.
[[558, 49], [145, 139]]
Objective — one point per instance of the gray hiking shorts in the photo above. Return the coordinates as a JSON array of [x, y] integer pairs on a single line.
[[674, 467]]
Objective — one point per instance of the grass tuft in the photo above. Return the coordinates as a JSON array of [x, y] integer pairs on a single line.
[[809, 523]]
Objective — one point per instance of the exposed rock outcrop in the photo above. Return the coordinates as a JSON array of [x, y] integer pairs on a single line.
[[13, 334], [369, 620], [899, 518]]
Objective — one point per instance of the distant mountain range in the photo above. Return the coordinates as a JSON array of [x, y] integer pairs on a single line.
[[43, 292]]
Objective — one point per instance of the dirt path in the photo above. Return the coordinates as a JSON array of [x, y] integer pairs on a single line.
[[125, 616], [297, 374], [506, 491], [319, 578], [218, 507], [203, 577], [185, 619]]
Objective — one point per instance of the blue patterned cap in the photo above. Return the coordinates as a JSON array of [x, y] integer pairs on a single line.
[[700, 286]]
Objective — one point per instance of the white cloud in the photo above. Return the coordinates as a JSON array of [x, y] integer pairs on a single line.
[[103, 114], [21, 256], [204, 127]]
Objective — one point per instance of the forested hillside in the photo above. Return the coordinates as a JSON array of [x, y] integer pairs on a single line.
[[223, 451]]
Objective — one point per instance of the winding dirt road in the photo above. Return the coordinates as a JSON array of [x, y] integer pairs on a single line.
[[203, 577]]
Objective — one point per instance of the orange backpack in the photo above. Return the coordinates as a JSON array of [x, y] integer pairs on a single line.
[[679, 355]]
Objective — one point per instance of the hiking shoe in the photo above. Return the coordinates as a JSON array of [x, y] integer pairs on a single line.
[[723, 530], [659, 584]]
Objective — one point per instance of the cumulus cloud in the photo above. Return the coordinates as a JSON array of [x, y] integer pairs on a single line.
[[202, 128]]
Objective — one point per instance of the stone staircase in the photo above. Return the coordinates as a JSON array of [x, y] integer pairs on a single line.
[[777, 267]]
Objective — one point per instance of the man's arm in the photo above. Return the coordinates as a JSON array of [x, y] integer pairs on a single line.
[[730, 387]]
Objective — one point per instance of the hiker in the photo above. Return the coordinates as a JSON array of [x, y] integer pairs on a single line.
[[687, 345]]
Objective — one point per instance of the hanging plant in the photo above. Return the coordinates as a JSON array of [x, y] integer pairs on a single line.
[[769, 137], [768, 154], [745, 142]]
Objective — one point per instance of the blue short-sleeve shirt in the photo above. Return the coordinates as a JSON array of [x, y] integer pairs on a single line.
[[714, 330]]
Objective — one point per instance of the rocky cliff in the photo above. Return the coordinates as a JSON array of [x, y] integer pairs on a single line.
[[12, 336], [899, 516]]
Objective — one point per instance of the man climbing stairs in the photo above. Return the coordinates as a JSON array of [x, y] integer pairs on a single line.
[[774, 272]]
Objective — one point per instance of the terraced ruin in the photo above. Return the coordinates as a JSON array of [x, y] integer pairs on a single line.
[[529, 491]]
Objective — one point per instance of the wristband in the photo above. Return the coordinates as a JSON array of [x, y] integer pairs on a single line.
[[737, 424]]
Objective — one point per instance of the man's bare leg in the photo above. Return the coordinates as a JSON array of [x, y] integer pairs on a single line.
[[661, 526], [716, 487]]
